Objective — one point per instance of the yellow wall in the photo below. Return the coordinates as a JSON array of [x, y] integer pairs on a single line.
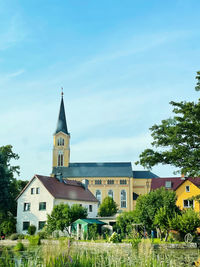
[[182, 194], [65, 149], [141, 187], [116, 187]]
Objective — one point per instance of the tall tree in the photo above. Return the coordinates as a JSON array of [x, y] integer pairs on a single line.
[[7, 180], [178, 139]]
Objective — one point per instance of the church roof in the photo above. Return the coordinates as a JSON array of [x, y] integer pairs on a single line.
[[105, 169], [61, 124], [144, 175], [71, 190]]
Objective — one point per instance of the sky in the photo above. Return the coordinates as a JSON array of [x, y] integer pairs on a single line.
[[120, 63]]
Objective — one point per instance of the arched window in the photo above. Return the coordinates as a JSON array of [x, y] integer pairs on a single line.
[[60, 158], [110, 193], [123, 199], [60, 141], [98, 195]]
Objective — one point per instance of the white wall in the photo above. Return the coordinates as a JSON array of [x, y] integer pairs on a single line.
[[34, 215], [84, 204]]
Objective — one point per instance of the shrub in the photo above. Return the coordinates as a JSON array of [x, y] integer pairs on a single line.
[[31, 230], [34, 240], [21, 236], [8, 226], [19, 247], [43, 234], [14, 236], [92, 232], [115, 238]]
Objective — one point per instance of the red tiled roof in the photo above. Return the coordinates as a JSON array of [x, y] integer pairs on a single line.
[[160, 182], [71, 190], [195, 180]]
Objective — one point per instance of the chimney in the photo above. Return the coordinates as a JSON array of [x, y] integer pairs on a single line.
[[58, 176], [182, 176], [85, 183]]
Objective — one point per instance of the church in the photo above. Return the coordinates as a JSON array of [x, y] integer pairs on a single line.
[[114, 179]]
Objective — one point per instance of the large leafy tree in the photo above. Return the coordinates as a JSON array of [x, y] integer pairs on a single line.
[[63, 216], [176, 141], [7, 181], [108, 207], [147, 206], [124, 222]]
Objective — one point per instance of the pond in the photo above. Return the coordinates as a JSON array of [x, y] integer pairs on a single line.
[[89, 255]]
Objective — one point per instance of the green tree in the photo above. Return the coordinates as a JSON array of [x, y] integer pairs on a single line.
[[108, 207], [148, 205], [162, 221], [7, 180], [124, 222], [63, 215], [197, 88], [178, 139], [189, 221]]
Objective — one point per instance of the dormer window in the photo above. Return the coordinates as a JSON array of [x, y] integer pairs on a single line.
[[60, 158], [60, 141], [168, 184]]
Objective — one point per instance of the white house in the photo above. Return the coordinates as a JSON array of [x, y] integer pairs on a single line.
[[42, 193]]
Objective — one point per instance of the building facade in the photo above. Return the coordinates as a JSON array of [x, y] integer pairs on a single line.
[[115, 179], [42, 193]]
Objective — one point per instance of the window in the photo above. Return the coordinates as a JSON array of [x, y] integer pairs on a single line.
[[32, 191], [26, 225], [135, 196], [37, 190], [41, 224], [60, 158], [168, 184], [110, 182], [123, 199], [60, 141], [110, 193], [90, 208], [97, 181], [98, 195], [123, 182], [42, 206], [27, 206], [188, 203], [187, 188]]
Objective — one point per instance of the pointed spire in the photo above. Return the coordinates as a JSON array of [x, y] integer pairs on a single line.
[[61, 124]]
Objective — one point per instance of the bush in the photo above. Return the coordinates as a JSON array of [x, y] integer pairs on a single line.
[[34, 240], [92, 232], [8, 226], [19, 247], [31, 230], [21, 236], [43, 234], [115, 238], [14, 236]]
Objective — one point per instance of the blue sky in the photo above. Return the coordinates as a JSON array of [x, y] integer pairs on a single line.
[[120, 64]]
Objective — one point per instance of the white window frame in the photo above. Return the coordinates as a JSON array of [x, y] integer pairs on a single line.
[[110, 194], [97, 196], [123, 202], [188, 204]]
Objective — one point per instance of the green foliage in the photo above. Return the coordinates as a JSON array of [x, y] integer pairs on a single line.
[[34, 240], [115, 238], [31, 229], [19, 247], [14, 236], [92, 232], [63, 215], [124, 222], [189, 221], [7, 181], [108, 207], [7, 223], [148, 205], [197, 88], [177, 138]]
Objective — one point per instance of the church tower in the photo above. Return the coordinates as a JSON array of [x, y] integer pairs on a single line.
[[61, 138]]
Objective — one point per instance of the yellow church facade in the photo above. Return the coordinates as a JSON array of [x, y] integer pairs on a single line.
[[114, 179]]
